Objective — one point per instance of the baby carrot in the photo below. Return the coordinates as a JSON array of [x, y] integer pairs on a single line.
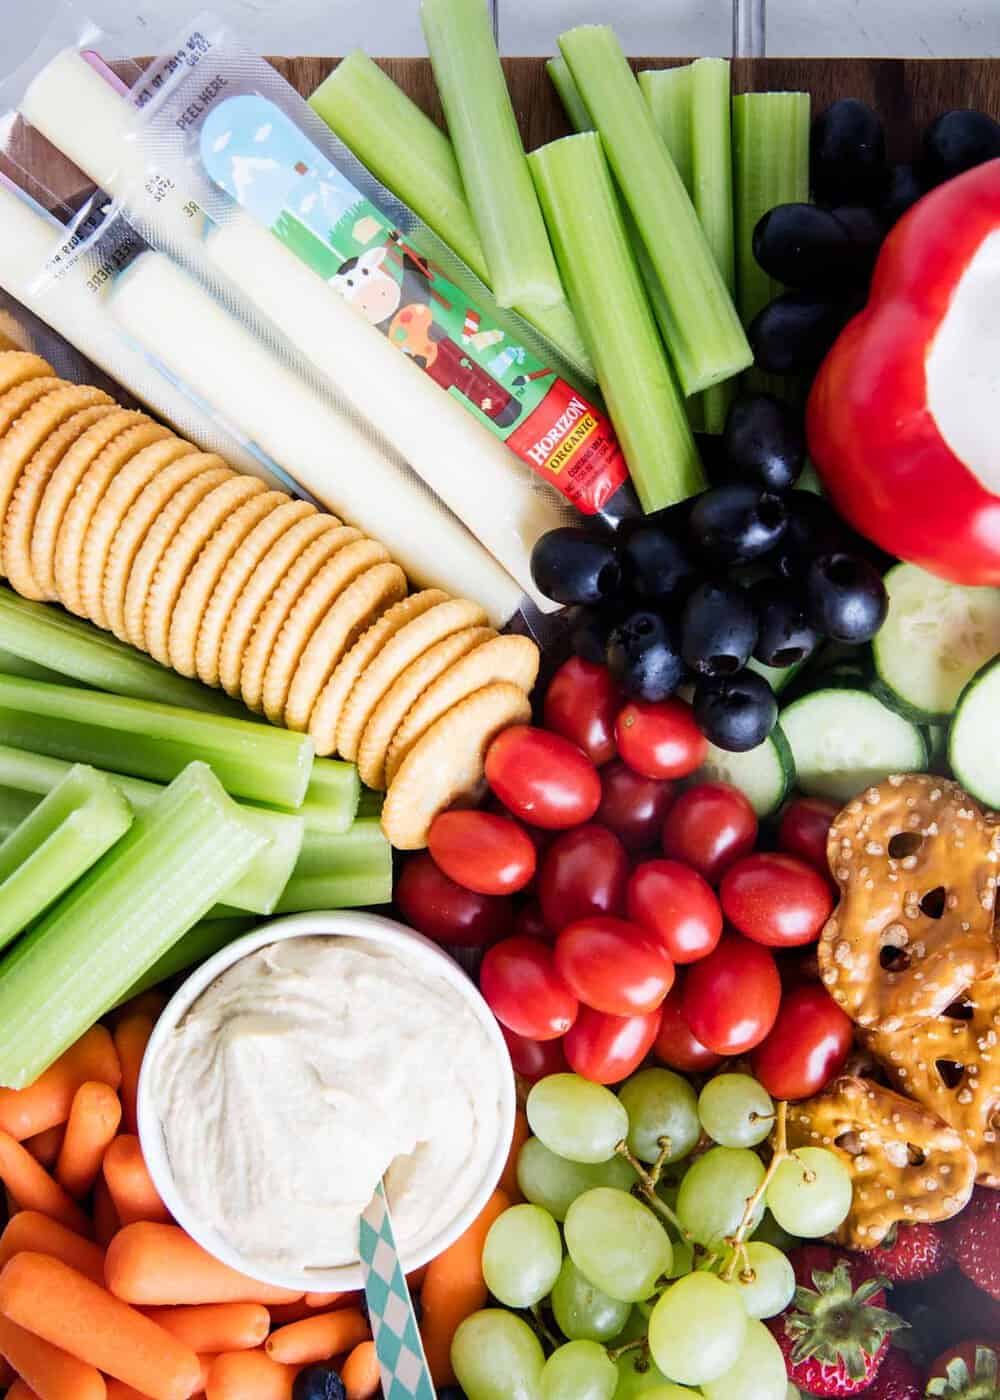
[[118, 1390], [159, 1265], [415, 1281], [454, 1288], [324, 1300], [284, 1313], [318, 1338], [248, 1375], [31, 1232], [360, 1372], [19, 1391], [93, 1121], [106, 1222], [52, 1374], [33, 1189], [72, 1312], [205, 1362], [145, 1004], [25, 1112], [45, 1147], [508, 1182], [131, 1038], [215, 1327], [130, 1184]]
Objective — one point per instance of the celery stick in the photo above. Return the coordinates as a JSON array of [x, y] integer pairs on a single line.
[[341, 872], [371, 803], [151, 887], [68, 646], [668, 96], [148, 740], [33, 775], [11, 665], [593, 250], [332, 797], [705, 338], [490, 155], [15, 806], [712, 167], [771, 166], [67, 832], [191, 949], [569, 94]]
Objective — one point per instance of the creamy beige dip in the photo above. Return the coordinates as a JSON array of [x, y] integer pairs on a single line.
[[305, 1073]]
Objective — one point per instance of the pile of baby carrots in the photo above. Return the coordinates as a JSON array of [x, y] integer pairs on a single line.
[[103, 1297]]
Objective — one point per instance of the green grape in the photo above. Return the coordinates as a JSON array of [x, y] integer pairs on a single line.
[[683, 1261], [660, 1104], [552, 1182], [735, 1110], [671, 1392], [810, 1193], [635, 1328], [583, 1312], [639, 1377], [576, 1119], [579, 1371], [758, 1374], [715, 1191], [770, 1232], [697, 1329], [617, 1243], [496, 1356], [522, 1256], [769, 1279]]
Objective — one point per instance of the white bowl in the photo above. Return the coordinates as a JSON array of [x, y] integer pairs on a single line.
[[345, 924]]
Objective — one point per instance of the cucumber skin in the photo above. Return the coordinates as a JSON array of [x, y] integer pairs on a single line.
[[892, 700], [849, 688], [786, 763], [970, 686]]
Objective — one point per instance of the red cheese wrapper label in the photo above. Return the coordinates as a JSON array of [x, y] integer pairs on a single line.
[[572, 445]]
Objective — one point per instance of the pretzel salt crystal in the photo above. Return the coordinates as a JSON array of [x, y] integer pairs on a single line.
[[906, 1163], [916, 862]]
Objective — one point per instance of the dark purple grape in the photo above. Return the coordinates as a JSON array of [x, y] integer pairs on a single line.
[[956, 142], [763, 442], [793, 333], [737, 522], [846, 597], [866, 231], [655, 565], [803, 246], [573, 565], [735, 712], [718, 629], [320, 1382], [847, 154], [643, 657], [813, 529], [785, 636], [904, 189]]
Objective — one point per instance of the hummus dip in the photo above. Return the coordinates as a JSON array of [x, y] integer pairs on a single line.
[[305, 1073]]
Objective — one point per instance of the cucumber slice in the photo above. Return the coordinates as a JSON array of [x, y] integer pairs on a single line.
[[777, 677], [765, 774], [936, 637], [845, 740], [972, 746]]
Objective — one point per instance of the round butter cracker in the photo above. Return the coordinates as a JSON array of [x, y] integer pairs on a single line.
[[234, 578], [18, 400], [326, 704], [18, 366], [19, 522], [507, 658], [181, 555], [200, 584], [402, 649], [447, 765]]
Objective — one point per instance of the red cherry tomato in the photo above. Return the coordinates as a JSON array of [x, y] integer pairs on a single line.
[[543, 778], [581, 704], [607, 1049], [709, 827], [633, 807], [534, 1059], [446, 912], [676, 1045], [524, 990], [529, 922], [482, 852], [583, 872], [673, 902], [731, 998], [805, 825], [660, 740], [807, 1046], [776, 899], [614, 966]]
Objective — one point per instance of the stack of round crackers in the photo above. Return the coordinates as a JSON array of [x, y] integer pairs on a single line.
[[305, 619]]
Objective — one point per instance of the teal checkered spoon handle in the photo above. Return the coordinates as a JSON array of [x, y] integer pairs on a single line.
[[400, 1352]]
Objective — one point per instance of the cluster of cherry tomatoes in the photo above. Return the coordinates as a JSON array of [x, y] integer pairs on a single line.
[[622, 915]]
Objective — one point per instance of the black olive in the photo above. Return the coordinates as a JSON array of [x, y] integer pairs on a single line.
[[589, 630], [763, 442], [320, 1382], [904, 189], [813, 529], [735, 712], [866, 231], [956, 142], [803, 246], [718, 629], [644, 658], [785, 636], [847, 154], [572, 565], [846, 597], [655, 565], [793, 333], [737, 522]]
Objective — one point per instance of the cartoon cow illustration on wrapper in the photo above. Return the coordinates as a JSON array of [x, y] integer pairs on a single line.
[[372, 289]]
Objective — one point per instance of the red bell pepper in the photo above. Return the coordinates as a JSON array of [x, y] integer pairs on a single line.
[[872, 433]]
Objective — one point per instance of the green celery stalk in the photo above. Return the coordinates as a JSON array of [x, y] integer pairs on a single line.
[[196, 946], [704, 335], [59, 841], [68, 646], [668, 96], [149, 740], [712, 183], [591, 242], [569, 94], [15, 806], [770, 166], [145, 892], [489, 151], [332, 797], [30, 776], [371, 803], [11, 665], [341, 872]]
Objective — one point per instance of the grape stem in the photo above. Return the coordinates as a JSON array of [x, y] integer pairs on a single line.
[[780, 1154], [543, 1329], [640, 1344], [648, 1180]]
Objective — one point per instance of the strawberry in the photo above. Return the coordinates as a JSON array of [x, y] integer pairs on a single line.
[[970, 1371], [835, 1334], [911, 1252], [899, 1378], [973, 1237]]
